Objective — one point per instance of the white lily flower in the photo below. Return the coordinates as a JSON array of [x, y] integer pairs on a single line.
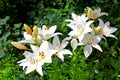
[[93, 14], [35, 60], [47, 33], [31, 36], [30, 39], [60, 47], [79, 26], [31, 63], [105, 29], [90, 41]]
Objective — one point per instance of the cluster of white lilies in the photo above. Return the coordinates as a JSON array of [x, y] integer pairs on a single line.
[[83, 32]]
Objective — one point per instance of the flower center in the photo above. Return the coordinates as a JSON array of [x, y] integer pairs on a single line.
[[80, 29], [98, 30], [33, 61], [90, 41], [41, 55]]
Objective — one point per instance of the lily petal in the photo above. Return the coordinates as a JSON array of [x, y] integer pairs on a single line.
[[39, 69], [34, 48], [74, 43], [110, 35], [30, 69], [87, 51], [56, 41], [112, 29], [44, 47], [97, 47], [52, 29]]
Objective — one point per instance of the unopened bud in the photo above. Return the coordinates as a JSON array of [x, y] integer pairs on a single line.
[[19, 45], [35, 31], [89, 13], [28, 29]]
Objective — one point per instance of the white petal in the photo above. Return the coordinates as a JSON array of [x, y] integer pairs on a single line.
[[44, 29], [24, 60], [44, 47], [72, 26], [49, 55], [97, 47], [51, 35], [110, 35], [73, 33], [34, 48], [61, 57], [30, 69], [107, 23], [65, 51], [87, 27], [39, 69], [74, 44], [66, 39], [63, 44], [69, 20], [112, 29], [56, 41], [74, 16], [104, 13], [27, 41], [84, 18], [24, 64], [52, 29], [81, 37], [101, 23], [27, 36], [87, 51], [97, 39], [27, 54]]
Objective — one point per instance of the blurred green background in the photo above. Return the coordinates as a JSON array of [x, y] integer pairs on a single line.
[[99, 66]]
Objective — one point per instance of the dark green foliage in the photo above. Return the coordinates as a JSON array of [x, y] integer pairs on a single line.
[[14, 13]]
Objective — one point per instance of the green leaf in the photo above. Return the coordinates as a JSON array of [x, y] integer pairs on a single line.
[[17, 25], [2, 54], [4, 21]]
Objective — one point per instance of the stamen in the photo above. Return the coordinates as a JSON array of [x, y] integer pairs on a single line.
[[90, 41], [41, 53], [33, 61]]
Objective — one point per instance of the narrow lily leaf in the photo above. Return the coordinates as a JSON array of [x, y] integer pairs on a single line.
[[19, 45], [28, 29]]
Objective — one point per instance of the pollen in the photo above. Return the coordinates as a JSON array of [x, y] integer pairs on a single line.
[[33, 61], [41, 53], [98, 30]]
